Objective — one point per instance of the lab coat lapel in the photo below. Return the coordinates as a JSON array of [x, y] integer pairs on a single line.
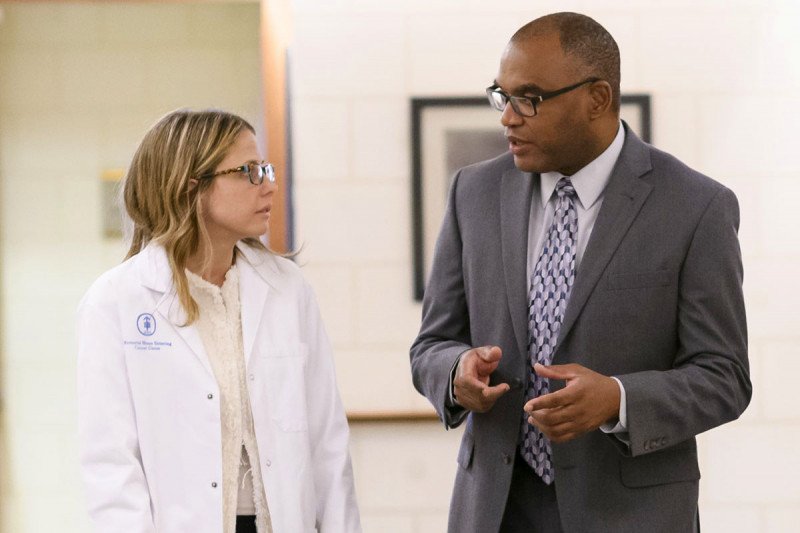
[[254, 270], [170, 308], [157, 276]]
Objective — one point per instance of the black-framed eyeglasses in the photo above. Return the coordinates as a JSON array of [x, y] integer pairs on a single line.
[[526, 105], [255, 172]]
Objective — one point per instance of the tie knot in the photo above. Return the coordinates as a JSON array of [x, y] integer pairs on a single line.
[[564, 188]]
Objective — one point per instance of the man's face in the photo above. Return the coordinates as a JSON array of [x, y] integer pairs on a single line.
[[556, 139]]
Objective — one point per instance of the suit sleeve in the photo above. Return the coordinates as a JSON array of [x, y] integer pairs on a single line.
[[709, 383], [336, 506], [444, 334], [110, 461]]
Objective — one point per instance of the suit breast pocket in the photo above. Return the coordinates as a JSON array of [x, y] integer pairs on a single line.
[[638, 280], [285, 368]]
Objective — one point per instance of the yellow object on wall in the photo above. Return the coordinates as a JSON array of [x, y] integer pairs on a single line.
[[111, 203]]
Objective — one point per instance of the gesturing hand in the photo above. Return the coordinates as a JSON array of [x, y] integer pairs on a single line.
[[588, 401], [471, 384]]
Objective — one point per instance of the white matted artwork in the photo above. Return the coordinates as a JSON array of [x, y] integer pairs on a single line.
[[451, 133]]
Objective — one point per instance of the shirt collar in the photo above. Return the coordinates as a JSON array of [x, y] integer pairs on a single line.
[[589, 181]]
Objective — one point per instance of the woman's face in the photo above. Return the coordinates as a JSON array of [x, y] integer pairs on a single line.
[[234, 208]]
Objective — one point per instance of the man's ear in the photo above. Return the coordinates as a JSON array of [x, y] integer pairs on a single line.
[[601, 97]]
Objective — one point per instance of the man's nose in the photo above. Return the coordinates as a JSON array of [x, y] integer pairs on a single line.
[[509, 116]]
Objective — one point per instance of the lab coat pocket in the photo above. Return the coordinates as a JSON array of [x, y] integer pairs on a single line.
[[285, 366]]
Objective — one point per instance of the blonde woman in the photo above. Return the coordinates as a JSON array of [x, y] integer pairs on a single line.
[[207, 396]]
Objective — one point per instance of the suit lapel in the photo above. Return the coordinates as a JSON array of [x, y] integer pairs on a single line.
[[515, 206], [622, 200], [171, 310]]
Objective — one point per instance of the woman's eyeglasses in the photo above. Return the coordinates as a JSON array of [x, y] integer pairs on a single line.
[[255, 172]]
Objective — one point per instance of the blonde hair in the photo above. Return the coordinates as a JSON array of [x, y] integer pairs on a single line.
[[159, 195]]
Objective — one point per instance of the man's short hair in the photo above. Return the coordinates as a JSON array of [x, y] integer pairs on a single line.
[[584, 38]]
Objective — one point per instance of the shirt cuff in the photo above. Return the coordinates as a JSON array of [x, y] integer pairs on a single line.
[[455, 414], [451, 396], [622, 424]]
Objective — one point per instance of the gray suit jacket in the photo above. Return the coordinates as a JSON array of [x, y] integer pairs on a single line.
[[657, 302]]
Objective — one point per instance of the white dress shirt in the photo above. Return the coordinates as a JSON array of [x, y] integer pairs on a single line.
[[589, 183]]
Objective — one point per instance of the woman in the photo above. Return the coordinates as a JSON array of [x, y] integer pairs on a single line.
[[207, 396]]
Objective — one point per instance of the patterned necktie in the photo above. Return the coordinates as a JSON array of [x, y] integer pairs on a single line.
[[551, 284]]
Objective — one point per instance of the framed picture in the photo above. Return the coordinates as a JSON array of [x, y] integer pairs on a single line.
[[450, 133], [112, 211]]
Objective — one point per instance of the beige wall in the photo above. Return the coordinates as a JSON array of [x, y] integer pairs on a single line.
[[79, 84], [725, 81]]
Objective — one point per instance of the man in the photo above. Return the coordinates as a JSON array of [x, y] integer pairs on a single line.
[[611, 267]]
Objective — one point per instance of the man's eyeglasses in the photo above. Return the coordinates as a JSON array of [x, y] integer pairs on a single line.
[[526, 105], [255, 172]]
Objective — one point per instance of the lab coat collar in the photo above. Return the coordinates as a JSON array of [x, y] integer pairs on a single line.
[[155, 272]]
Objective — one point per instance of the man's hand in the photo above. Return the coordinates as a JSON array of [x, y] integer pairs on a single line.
[[588, 401], [471, 385]]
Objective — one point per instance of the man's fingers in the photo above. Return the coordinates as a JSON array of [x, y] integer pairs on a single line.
[[564, 372], [560, 432], [476, 395], [480, 362], [489, 354], [469, 382], [494, 392], [485, 360], [548, 401], [555, 417]]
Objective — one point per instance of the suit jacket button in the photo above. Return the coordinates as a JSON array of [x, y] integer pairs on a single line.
[[506, 459], [517, 383]]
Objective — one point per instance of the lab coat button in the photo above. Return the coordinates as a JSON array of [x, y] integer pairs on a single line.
[[213, 484], [210, 396], [269, 463], [252, 377]]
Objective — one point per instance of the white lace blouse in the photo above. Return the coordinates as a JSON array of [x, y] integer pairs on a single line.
[[220, 328]]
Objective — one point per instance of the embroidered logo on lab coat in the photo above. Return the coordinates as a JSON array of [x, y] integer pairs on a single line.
[[146, 324]]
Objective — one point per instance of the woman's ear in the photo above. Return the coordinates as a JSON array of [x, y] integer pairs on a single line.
[[193, 184]]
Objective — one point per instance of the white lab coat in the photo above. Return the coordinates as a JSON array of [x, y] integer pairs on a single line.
[[149, 415]]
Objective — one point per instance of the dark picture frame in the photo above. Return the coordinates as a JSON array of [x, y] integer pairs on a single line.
[[448, 133]]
